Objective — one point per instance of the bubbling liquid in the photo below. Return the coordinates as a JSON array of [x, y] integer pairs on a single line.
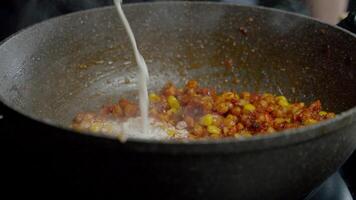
[[142, 75]]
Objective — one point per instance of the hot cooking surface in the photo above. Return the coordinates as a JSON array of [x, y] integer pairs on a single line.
[[14, 16]]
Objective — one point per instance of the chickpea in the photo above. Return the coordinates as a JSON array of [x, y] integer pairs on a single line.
[[189, 120], [204, 113], [169, 90], [117, 111], [223, 107], [236, 111], [130, 110], [228, 122], [245, 95], [198, 130], [218, 119], [191, 84]]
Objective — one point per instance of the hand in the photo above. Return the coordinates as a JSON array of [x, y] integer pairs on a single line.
[[329, 11]]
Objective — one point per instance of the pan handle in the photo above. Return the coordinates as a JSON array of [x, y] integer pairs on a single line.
[[349, 23]]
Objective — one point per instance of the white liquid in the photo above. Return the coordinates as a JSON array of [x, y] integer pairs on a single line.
[[142, 75]]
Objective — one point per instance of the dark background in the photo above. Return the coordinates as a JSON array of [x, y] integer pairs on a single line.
[[18, 14]]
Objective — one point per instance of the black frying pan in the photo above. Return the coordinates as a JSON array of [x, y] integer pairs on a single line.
[[42, 77]]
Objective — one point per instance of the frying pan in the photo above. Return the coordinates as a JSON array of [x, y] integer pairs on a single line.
[[77, 62]]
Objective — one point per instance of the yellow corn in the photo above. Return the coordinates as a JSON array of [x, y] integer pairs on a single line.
[[214, 130], [154, 97], [330, 115], [243, 133], [279, 120], [266, 94], [170, 132], [243, 102], [249, 107], [172, 111], [206, 120], [322, 113], [173, 102], [310, 122], [283, 103], [281, 98], [95, 127]]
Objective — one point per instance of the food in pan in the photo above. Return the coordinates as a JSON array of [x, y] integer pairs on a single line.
[[198, 112]]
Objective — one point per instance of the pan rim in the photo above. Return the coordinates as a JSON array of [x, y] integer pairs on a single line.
[[281, 138]]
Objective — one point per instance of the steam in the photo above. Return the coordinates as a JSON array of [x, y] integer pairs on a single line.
[[33, 11]]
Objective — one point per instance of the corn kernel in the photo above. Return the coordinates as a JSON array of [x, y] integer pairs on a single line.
[[214, 130], [243, 133], [323, 113], [206, 120], [173, 102], [172, 111], [282, 98], [95, 127], [242, 102], [228, 95], [330, 115], [154, 97], [283, 103], [310, 122], [266, 94], [280, 120], [249, 107], [170, 132]]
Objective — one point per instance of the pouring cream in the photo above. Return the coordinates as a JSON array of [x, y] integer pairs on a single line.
[[142, 75]]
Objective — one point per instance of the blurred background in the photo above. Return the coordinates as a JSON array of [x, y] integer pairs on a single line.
[[17, 14]]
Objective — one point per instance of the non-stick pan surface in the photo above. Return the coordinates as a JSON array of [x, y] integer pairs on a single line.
[[77, 62]]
